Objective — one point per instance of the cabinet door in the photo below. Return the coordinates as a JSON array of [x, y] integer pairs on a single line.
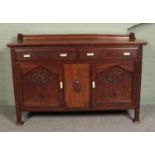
[[40, 85], [112, 83], [76, 85]]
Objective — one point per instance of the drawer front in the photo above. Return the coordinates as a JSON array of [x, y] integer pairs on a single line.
[[108, 53], [23, 54]]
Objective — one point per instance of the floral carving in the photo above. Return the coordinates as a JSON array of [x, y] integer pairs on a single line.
[[40, 77], [114, 75]]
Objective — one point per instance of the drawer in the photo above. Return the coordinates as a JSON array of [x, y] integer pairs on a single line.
[[45, 53], [108, 53]]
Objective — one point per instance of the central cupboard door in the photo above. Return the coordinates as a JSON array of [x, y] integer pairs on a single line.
[[76, 85]]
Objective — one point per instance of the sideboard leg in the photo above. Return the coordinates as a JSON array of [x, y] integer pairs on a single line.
[[18, 117], [136, 115]]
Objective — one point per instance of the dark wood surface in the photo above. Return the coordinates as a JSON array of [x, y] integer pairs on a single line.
[[76, 85], [40, 85], [76, 73], [114, 83], [75, 39]]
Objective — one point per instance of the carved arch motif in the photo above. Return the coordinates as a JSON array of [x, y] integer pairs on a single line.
[[40, 76], [115, 74]]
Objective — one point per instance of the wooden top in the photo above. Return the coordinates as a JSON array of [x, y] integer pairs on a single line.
[[75, 39]]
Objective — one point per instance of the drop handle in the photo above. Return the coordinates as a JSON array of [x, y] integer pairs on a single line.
[[90, 54], [63, 55], [126, 53], [26, 55], [93, 84], [61, 85]]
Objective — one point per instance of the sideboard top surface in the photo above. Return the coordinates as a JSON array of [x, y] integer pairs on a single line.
[[75, 39]]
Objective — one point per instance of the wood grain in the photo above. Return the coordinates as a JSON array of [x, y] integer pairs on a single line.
[[40, 85], [114, 83], [74, 72]]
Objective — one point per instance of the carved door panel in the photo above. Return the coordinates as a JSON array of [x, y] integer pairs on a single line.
[[113, 83], [76, 85], [40, 85]]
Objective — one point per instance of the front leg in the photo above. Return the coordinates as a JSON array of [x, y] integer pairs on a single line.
[[18, 117], [136, 115]]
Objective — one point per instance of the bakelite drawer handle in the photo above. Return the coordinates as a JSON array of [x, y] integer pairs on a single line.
[[26, 55], [61, 85], [63, 55], [90, 54], [93, 84], [126, 53]]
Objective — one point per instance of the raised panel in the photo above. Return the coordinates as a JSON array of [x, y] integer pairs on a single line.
[[113, 83], [40, 85], [76, 85]]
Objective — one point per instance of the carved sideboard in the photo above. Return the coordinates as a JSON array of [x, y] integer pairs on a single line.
[[76, 73]]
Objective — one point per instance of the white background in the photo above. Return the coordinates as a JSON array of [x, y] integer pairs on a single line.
[[73, 11]]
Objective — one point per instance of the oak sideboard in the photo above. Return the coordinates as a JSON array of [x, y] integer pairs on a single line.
[[76, 72]]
